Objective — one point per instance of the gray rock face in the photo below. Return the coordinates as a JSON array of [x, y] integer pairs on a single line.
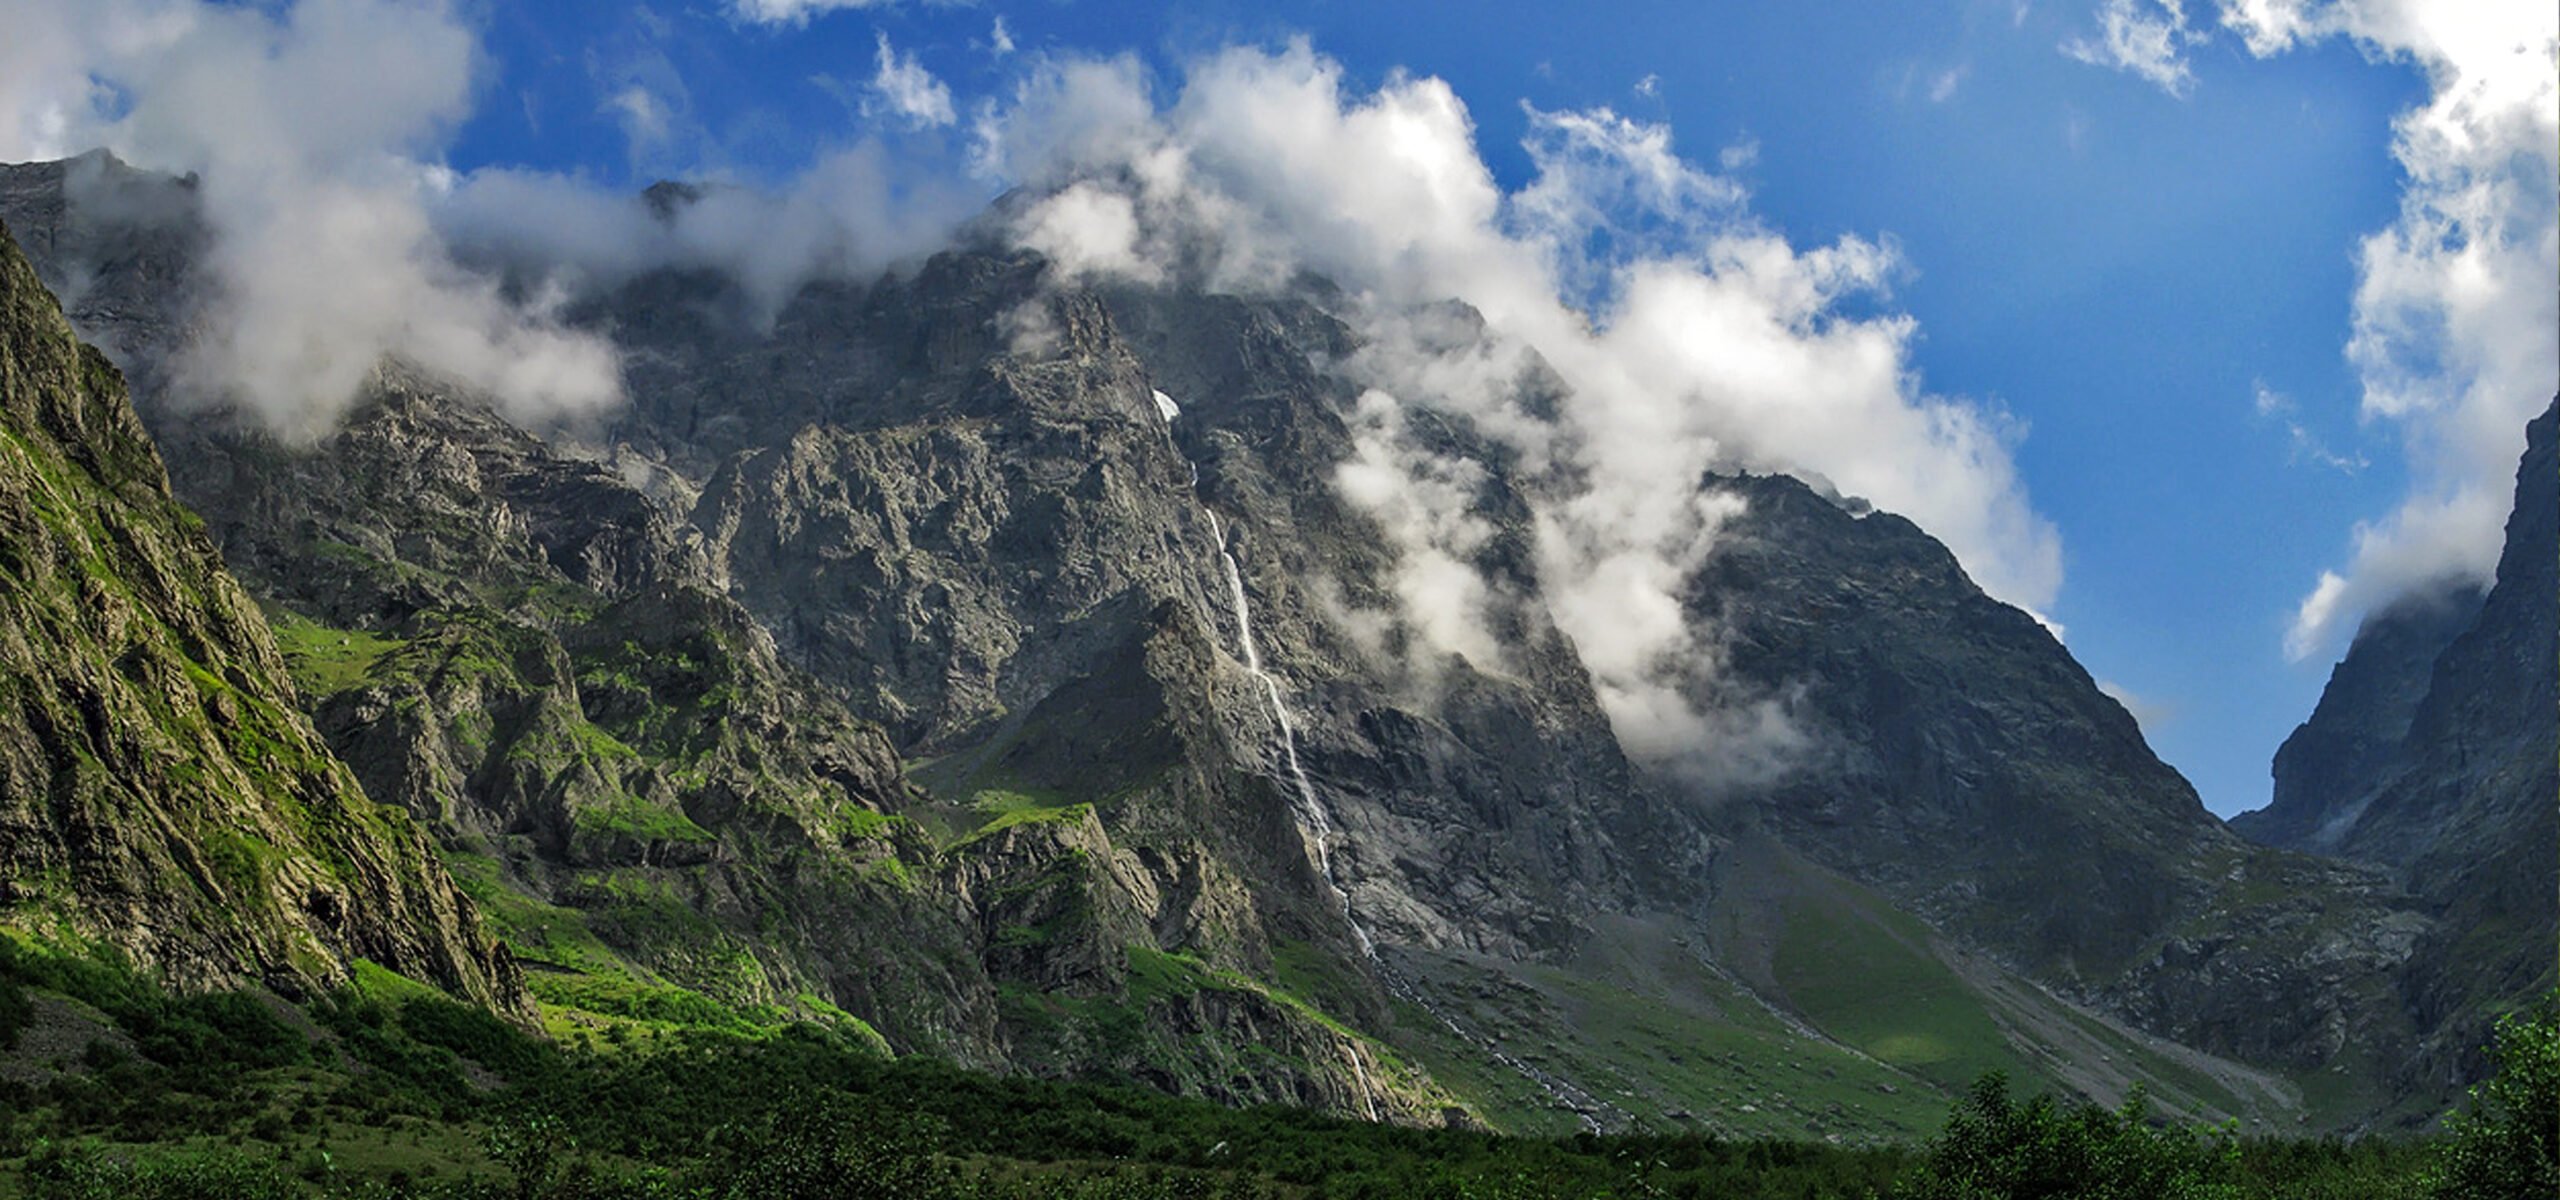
[[990, 530], [1962, 762], [2328, 769], [903, 654], [1961, 755], [600, 735], [2450, 717]]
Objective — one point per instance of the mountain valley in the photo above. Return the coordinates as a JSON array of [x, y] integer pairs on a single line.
[[1044, 704]]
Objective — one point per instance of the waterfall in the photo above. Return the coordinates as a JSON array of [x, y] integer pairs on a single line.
[[1311, 811], [1317, 825]]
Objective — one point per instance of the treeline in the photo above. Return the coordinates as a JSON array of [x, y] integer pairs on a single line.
[[388, 1090]]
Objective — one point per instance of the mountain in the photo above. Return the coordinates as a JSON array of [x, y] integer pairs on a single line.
[[1980, 778], [2432, 753], [2329, 767], [161, 794], [666, 820], [969, 658]]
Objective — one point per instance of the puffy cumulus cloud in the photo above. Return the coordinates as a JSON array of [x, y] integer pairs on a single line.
[[904, 88], [324, 257], [2147, 38], [1087, 230], [1622, 328], [2456, 331]]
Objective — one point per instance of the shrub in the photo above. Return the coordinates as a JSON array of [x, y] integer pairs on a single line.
[[1997, 1149], [2507, 1143]]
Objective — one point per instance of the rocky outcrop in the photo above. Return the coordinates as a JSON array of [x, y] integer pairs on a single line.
[[2449, 715], [522, 643], [160, 792], [2333, 764]]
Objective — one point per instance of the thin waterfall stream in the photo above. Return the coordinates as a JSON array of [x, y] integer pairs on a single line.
[[1317, 825]]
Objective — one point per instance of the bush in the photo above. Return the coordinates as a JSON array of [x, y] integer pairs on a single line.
[[56, 1172], [2507, 1144], [1997, 1149]]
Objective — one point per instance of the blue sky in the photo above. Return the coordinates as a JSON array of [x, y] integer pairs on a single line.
[[2147, 265]]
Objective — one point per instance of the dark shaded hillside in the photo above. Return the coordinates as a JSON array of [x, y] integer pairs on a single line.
[[2333, 763], [1967, 766], [160, 792]]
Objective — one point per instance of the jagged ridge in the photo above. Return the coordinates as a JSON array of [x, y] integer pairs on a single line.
[[160, 794]]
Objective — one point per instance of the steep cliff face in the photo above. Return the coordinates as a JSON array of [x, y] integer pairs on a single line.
[[981, 656], [2452, 720], [996, 531], [2333, 763], [160, 792]]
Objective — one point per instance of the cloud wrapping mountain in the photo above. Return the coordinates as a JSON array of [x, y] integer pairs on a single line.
[[324, 256], [2456, 321], [1639, 327]]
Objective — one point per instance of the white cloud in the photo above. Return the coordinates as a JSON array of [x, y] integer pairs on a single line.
[[854, 211], [1427, 503], [2303, 445], [324, 256], [792, 12], [2456, 319], [1943, 85], [644, 118], [1090, 230], [1638, 330], [1000, 42], [1650, 86], [910, 91], [2145, 37]]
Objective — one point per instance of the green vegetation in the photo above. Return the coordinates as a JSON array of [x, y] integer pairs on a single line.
[[1995, 1148], [387, 1089], [322, 660], [1026, 812], [2507, 1143], [638, 819], [1867, 978]]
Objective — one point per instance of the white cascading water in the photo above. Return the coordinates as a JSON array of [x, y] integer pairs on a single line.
[[1317, 825], [1311, 810], [1311, 815]]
